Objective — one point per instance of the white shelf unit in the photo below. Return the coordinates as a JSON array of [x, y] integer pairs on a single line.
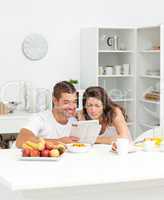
[[150, 76], [143, 50], [115, 76], [149, 58]]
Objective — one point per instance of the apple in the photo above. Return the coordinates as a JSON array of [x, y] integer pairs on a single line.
[[61, 148], [44, 153], [49, 145], [34, 153], [54, 153], [26, 152]]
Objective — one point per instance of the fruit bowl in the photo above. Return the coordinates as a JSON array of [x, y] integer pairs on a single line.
[[43, 150], [39, 158]]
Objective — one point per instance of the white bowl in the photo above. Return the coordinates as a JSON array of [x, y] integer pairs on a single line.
[[75, 149]]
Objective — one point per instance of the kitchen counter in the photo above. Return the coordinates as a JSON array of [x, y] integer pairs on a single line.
[[12, 123], [94, 175]]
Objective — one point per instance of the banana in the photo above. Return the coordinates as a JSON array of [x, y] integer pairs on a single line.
[[41, 146], [33, 145], [26, 146]]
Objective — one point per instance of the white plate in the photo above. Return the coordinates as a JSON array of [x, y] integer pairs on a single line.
[[75, 149], [39, 158]]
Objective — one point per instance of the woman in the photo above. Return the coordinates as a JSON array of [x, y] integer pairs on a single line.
[[97, 105]]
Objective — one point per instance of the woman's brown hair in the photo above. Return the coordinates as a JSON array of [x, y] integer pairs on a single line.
[[108, 105]]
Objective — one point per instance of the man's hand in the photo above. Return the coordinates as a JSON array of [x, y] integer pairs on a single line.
[[69, 139]]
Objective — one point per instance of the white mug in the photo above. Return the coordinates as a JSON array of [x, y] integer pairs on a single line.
[[126, 68], [122, 146], [109, 70], [101, 70], [117, 69]]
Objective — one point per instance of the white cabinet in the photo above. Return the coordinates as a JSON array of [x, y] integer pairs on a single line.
[[127, 62]]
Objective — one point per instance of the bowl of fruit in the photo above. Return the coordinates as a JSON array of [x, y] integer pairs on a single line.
[[43, 150]]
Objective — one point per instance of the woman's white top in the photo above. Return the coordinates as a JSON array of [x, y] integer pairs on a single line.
[[110, 131], [44, 125]]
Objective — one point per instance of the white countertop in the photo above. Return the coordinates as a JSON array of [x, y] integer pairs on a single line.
[[99, 166], [13, 122], [16, 115]]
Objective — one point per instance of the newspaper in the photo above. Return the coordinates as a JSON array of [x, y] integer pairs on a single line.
[[87, 130]]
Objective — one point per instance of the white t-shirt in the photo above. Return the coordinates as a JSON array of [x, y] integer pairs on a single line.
[[44, 125]]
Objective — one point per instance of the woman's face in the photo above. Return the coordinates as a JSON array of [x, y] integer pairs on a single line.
[[94, 108]]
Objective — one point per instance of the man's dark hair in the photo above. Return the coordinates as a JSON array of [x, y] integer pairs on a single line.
[[63, 87]]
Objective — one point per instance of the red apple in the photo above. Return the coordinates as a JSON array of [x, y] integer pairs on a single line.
[[44, 153], [26, 152], [34, 153], [49, 145]]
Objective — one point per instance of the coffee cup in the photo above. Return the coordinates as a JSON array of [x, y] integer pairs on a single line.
[[122, 146], [109, 70], [117, 69], [101, 70], [126, 68], [149, 145]]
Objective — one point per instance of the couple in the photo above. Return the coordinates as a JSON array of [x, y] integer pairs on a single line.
[[55, 125]]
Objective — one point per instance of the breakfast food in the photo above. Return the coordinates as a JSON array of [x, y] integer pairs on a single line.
[[156, 140], [78, 145], [42, 149]]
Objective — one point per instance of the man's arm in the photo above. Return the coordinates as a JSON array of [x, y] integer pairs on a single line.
[[26, 134]]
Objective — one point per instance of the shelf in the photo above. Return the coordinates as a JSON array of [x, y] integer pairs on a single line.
[[149, 76], [122, 100], [116, 51], [115, 76], [148, 51], [151, 102], [142, 49]]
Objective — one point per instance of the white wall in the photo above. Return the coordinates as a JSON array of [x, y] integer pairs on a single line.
[[60, 22]]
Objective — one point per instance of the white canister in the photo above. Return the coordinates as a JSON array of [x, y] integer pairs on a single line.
[[101, 70], [117, 69], [149, 145], [126, 68], [109, 70]]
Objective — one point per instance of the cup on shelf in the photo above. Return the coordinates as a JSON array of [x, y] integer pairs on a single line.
[[126, 68], [117, 69], [101, 70], [109, 70]]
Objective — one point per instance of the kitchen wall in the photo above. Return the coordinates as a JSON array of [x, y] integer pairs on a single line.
[[60, 22]]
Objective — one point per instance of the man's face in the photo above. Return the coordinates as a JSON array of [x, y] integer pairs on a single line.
[[66, 104]]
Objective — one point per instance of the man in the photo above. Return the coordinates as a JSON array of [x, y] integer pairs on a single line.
[[53, 125]]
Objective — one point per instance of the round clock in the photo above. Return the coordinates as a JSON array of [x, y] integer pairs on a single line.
[[35, 47]]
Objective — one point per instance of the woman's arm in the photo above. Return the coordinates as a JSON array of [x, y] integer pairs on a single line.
[[121, 125], [105, 139], [121, 130]]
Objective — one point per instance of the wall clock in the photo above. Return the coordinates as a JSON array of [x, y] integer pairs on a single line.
[[35, 47]]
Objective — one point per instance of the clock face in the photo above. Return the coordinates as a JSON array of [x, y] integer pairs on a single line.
[[35, 47]]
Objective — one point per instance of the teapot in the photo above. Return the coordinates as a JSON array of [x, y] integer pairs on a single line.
[[13, 91], [25, 96], [37, 99]]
